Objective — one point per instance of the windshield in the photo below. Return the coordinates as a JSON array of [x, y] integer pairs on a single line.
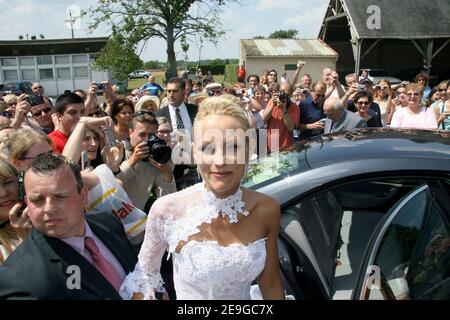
[[275, 167]]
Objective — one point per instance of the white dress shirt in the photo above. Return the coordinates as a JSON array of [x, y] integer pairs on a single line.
[[184, 116]]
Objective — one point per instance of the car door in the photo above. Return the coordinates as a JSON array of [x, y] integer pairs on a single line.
[[408, 256]]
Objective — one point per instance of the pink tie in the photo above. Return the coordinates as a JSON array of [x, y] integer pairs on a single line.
[[103, 265]]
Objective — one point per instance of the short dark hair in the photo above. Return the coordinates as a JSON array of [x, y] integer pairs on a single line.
[[118, 105], [253, 76], [177, 80], [50, 162], [363, 94], [65, 99], [144, 118]]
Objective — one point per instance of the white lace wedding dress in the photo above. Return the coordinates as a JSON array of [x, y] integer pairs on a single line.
[[202, 269]]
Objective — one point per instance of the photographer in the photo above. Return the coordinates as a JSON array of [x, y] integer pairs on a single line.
[[282, 115], [140, 173]]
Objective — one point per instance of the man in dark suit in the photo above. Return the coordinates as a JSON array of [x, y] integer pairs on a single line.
[[180, 114], [66, 256]]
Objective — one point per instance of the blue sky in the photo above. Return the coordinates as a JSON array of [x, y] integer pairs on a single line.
[[244, 21]]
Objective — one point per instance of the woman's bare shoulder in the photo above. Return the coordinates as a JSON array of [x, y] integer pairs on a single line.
[[263, 205]]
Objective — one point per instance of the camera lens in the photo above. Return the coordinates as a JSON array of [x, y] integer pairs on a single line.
[[159, 150]]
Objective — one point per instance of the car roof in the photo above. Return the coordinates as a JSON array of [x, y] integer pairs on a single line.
[[357, 145], [372, 143]]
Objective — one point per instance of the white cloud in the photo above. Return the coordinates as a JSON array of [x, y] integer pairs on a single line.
[[308, 22], [277, 4]]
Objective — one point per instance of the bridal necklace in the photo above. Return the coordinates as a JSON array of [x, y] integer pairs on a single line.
[[230, 206]]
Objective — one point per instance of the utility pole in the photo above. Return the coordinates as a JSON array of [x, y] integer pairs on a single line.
[[71, 21]]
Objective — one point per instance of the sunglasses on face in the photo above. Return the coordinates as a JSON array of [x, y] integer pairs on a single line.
[[413, 94], [39, 87], [39, 113], [365, 103], [40, 154], [144, 112], [441, 90]]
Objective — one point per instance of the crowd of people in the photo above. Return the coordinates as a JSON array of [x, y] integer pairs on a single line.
[[95, 185]]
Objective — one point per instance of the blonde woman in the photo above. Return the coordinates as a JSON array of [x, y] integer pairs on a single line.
[[13, 231], [147, 103], [414, 115], [221, 236]]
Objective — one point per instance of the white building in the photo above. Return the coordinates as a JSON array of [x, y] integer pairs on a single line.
[[58, 64], [282, 55]]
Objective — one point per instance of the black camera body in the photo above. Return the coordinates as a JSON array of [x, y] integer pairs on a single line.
[[7, 114], [283, 96], [35, 99], [21, 193], [159, 150]]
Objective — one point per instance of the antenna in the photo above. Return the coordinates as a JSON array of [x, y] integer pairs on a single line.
[[71, 20]]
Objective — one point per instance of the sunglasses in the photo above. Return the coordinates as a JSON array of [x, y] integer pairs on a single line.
[[40, 154], [441, 90], [39, 87], [39, 113], [143, 113], [164, 131], [413, 94], [366, 103]]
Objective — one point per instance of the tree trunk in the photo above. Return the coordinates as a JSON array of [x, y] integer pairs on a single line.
[[171, 58]]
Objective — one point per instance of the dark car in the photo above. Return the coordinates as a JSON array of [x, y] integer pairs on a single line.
[[365, 214], [16, 88]]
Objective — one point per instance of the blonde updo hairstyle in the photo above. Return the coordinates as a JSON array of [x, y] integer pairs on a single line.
[[224, 105], [20, 141]]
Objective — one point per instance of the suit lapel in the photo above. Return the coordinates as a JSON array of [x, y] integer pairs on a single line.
[[115, 244], [91, 280]]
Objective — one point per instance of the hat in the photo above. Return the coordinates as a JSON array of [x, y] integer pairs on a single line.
[[213, 86], [145, 99]]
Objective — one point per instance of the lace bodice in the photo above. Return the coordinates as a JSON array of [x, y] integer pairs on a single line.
[[203, 269]]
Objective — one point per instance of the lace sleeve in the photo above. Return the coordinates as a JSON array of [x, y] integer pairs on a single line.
[[146, 277]]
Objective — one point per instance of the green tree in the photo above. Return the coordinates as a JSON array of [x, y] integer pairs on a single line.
[[284, 34], [259, 37], [119, 57], [141, 20], [20, 37], [33, 37], [41, 36], [185, 48], [153, 64]]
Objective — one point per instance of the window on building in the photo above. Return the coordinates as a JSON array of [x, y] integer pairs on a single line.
[[10, 75], [45, 60], [79, 58], [9, 62], [62, 60], [46, 74], [288, 67], [28, 74], [26, 61], [81, 72], [63, 73]]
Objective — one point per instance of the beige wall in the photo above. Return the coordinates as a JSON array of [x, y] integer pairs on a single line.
[[313, 66]]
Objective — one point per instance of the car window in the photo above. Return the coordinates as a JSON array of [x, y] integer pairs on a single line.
[[396, 248], [429, 277]]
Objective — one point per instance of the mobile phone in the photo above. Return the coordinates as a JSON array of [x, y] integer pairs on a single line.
[[110, 138], [323, 120], [21, 193], [84, 160], [35, 99]]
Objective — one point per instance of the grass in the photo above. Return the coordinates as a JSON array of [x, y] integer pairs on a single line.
[[159, 78]]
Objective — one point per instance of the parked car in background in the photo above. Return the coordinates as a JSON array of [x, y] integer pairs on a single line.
[[16, 88], [139, 74], [375, 75], [364, 214]]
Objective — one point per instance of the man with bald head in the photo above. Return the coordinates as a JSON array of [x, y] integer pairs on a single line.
[[152, 87], [339, 119]]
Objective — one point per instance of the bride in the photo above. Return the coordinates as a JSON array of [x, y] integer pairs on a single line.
[[221, 235]]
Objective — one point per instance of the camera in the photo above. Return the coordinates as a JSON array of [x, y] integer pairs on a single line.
[[211, 93], [159, 150], [35, 99], [110, 138], [7, 114], [282, 96], [361, 87]]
